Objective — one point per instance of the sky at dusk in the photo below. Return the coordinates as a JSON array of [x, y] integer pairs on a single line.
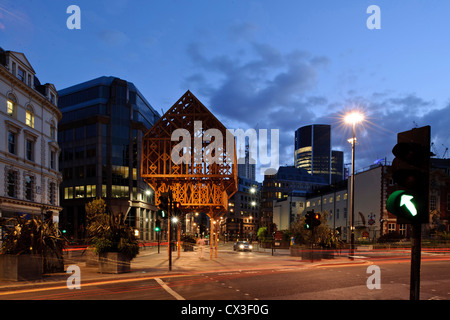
[[261, 64]]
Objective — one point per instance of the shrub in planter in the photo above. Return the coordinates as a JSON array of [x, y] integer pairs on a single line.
[[37, 242], [109, 233]]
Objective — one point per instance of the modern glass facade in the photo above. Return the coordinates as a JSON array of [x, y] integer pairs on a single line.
[[313, 152], [100, 134]]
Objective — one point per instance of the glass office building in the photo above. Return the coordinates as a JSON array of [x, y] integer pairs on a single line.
[[100, 135], [313, 153]]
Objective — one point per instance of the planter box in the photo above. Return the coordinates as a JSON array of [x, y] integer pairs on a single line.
[[20, 267], [113, 262], [52, 262], [91, 257]]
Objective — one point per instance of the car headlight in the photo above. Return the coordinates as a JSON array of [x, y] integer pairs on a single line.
[[241, 246], [250, 247]]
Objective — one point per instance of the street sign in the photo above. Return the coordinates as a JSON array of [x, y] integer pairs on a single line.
[[278, 236]]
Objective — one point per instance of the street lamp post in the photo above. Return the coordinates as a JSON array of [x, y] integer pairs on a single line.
[[353, 118]]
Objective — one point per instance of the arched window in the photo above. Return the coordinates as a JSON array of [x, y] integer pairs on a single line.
[[29, 117]]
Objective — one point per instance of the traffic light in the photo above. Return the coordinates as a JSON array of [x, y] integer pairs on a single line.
[[315, 219], [176, 208], [162, 214], [163, 211], [411, 174], [164, 201], [309, 220], [157, 225]]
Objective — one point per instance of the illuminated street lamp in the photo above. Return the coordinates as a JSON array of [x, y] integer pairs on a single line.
[[353, 118]]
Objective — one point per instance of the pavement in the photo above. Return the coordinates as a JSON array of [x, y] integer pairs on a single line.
[[150, 263]]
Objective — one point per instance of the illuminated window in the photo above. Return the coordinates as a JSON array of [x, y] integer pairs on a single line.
[[79, 192], [29, 117], [10, 108], [91, 191], [68, 193]]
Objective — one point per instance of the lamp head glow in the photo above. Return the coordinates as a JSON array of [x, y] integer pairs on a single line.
[[354, 117]]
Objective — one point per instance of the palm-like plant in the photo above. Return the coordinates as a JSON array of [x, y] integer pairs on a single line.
[[34, 236], [108, 232]]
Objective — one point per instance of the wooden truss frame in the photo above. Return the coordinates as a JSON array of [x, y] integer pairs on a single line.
[[198, 185]]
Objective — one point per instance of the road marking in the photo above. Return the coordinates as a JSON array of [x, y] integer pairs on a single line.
[[169, 290]]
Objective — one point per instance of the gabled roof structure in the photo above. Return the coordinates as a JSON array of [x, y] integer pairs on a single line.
[[191, 153]]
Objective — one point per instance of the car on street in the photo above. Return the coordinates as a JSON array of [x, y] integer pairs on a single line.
[[242, 246]]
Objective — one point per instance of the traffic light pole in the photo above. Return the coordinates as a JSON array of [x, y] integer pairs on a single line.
[[416, 247], [169, 226], [159, 239]]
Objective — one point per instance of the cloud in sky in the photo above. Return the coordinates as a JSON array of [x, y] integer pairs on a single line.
[[279, 90]]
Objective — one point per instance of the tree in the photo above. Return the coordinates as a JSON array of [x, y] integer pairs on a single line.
[[262, 234], [323, 234]]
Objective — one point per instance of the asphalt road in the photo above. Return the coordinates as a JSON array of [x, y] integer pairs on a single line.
[[251, 282]]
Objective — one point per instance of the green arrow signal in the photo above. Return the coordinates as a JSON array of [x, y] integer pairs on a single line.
[[405, 200]]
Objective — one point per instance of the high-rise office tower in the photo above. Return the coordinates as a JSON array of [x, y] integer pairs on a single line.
[[313, 152]]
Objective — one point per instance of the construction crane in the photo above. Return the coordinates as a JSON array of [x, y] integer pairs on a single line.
[[445, 152], [436, 152]]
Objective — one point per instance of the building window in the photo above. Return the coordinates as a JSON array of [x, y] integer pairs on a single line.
[[21, 74], [12, 148], [391, 227], [29, 117], [53, 131], [91, 191], [79, 153], [91, 171], [79, 192], [29, 188], [432, 202], [52, 193], [402, 229], [53, 160], [11, 183], [29, 152], [10, 108], [68, 193]]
